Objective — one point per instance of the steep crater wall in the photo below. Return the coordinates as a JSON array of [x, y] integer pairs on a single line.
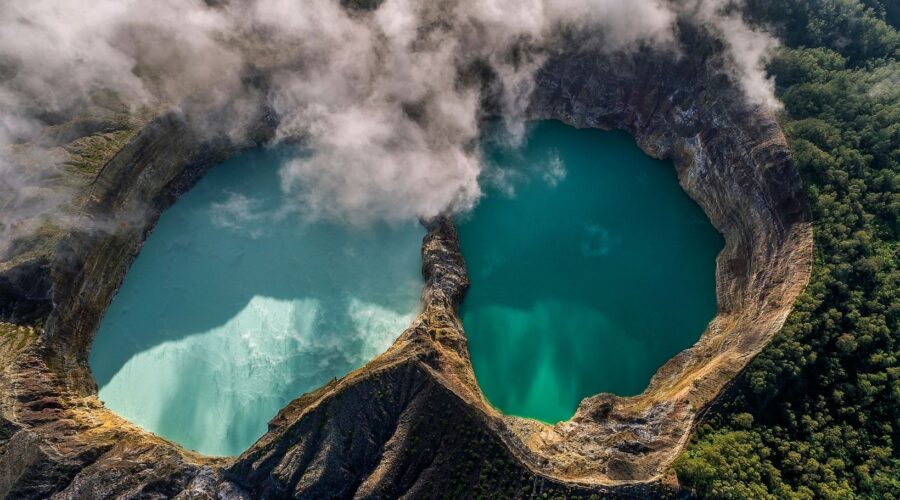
[[413, 421]]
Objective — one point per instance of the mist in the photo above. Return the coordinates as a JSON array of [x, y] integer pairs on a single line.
[[383, 100]]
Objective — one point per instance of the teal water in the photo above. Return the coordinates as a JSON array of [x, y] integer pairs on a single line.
[[235, 306], [592, 275]]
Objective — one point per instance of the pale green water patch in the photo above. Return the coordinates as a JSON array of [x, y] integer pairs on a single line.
[[594, 272], [235, 306]]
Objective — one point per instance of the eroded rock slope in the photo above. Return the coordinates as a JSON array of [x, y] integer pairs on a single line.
[[412, 422]]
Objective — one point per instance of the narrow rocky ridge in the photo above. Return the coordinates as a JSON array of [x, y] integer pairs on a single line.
[[413, 421]]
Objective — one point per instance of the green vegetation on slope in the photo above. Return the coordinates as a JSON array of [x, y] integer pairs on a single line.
[[817, 414]]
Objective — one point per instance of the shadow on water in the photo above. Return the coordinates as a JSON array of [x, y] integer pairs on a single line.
[[589, 278], [235, 306]]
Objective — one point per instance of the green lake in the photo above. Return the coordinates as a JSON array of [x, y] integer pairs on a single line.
[[589, 267]]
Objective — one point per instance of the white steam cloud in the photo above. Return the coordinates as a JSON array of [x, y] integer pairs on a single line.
[[748, 49], [385, 98]]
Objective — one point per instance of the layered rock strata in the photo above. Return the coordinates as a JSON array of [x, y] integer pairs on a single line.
[[413, 421]]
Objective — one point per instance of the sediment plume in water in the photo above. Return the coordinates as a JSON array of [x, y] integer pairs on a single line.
[[236, 305], [586, 279]]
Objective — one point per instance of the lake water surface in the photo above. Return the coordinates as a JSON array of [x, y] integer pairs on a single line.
[[594, 273], [589, 267], [235, 307]]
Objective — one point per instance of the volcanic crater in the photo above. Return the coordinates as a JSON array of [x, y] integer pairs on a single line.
[[412, 422]]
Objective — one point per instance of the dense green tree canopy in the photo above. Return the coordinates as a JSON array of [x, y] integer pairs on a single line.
[[817, 414]]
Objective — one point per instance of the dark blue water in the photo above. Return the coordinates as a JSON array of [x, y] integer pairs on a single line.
[[594, 273]]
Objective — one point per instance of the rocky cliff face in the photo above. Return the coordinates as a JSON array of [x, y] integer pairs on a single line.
[[413, 422]]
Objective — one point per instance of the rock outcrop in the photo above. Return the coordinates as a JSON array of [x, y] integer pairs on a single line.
[[413, 421]]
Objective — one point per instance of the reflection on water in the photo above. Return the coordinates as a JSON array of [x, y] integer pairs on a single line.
[[235, 306], [586, 280]]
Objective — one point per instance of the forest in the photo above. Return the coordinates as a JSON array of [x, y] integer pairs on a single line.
[[817, 413]]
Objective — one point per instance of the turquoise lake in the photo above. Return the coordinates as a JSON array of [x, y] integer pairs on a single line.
[[589, 269], [236, 306]]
